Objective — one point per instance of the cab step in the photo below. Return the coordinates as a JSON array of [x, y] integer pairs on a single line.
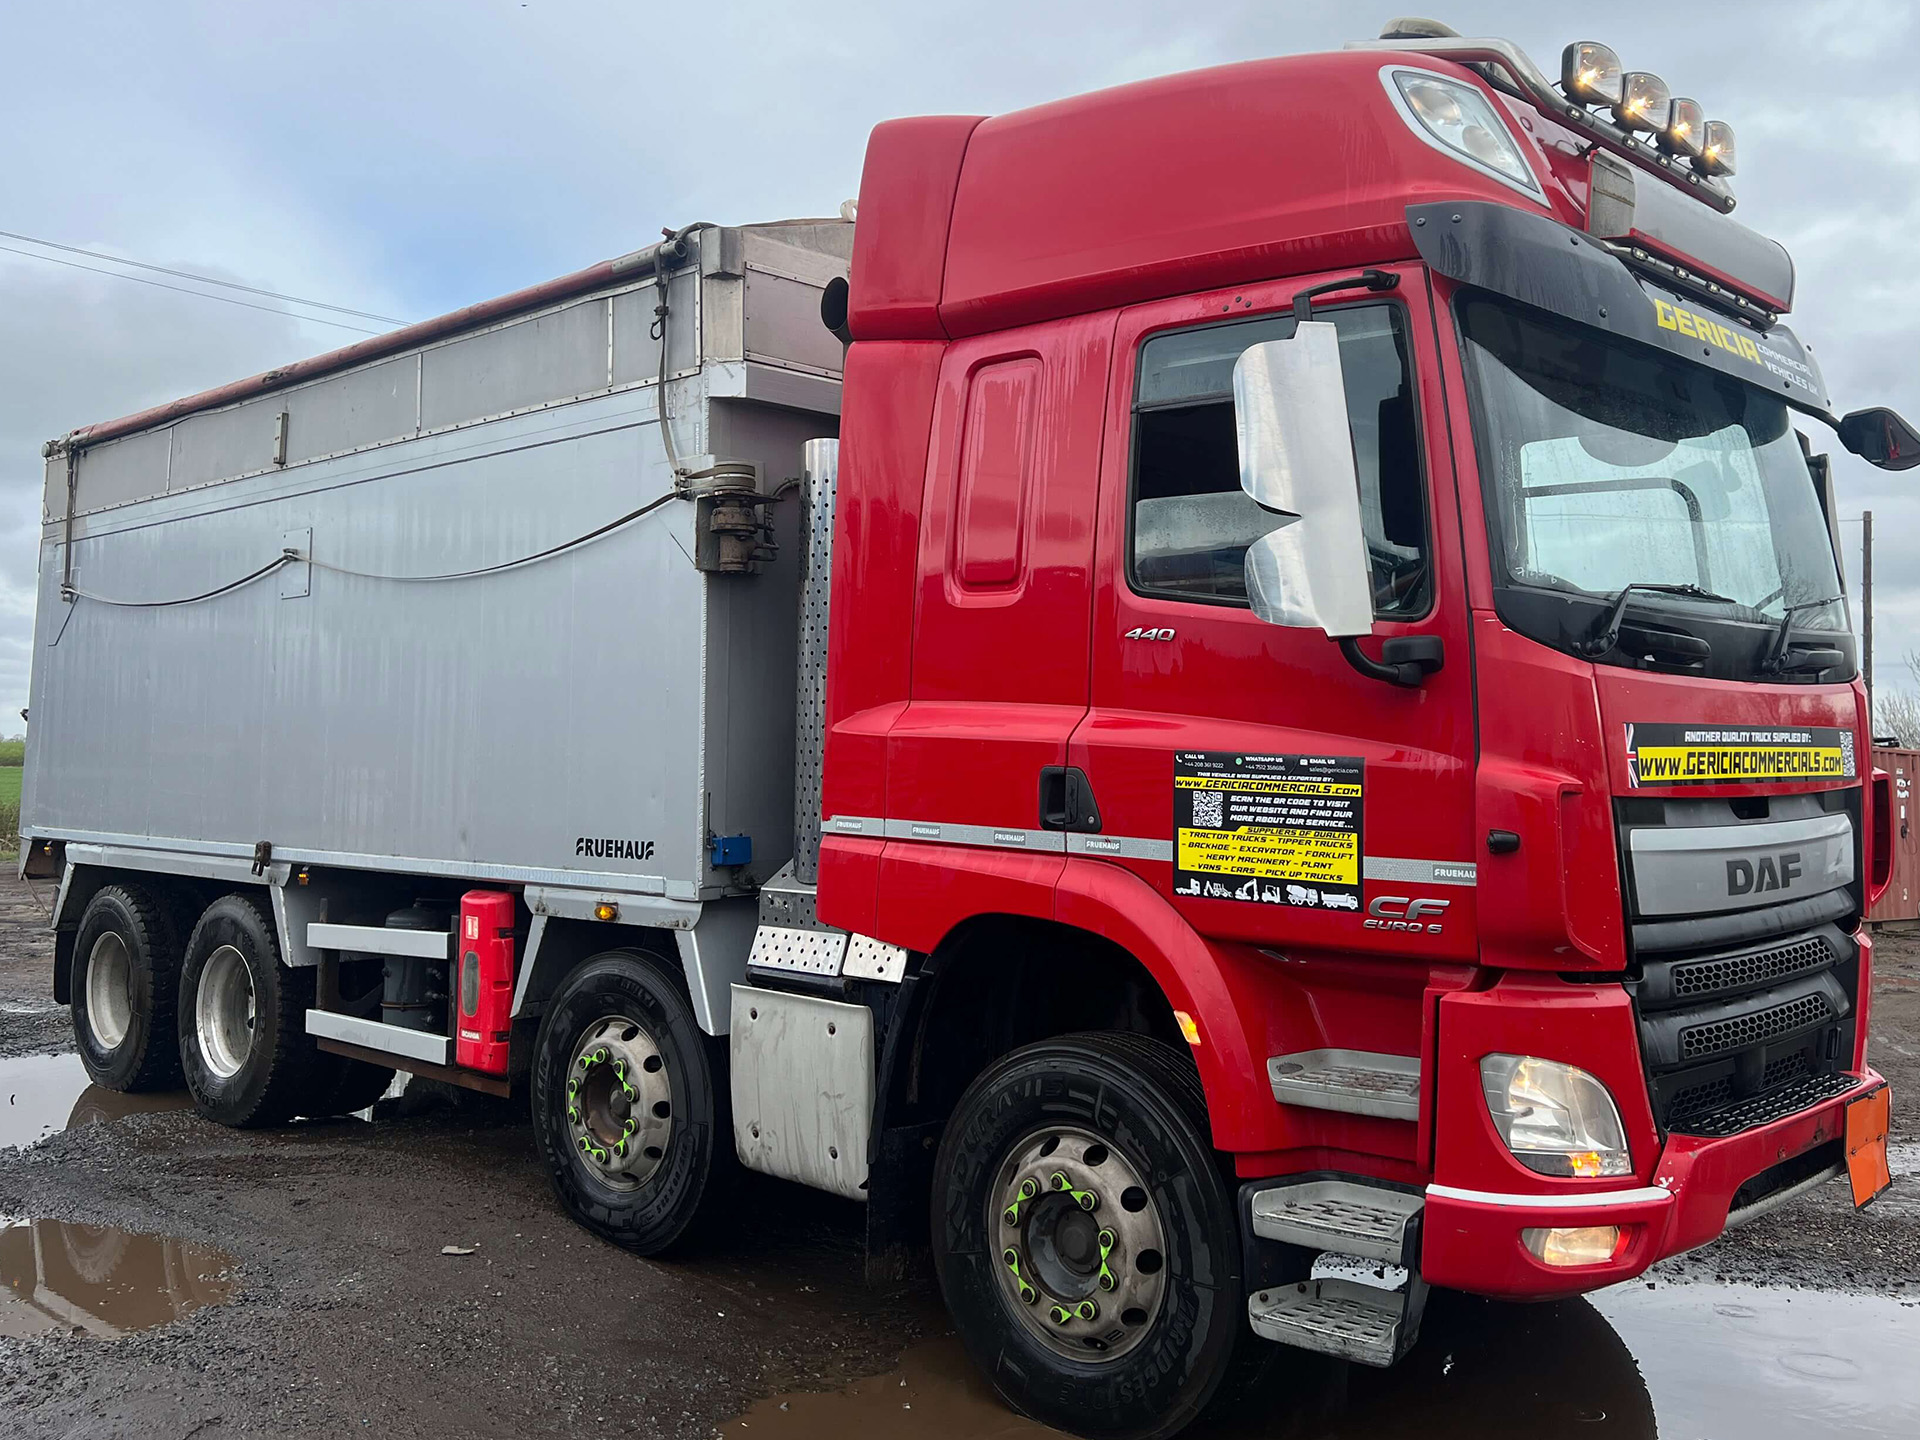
[[1342, 1216], [1344, 1318], [1354, 1082]]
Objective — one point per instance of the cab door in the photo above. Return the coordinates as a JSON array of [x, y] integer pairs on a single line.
[[1275, 795], [1003, 603]]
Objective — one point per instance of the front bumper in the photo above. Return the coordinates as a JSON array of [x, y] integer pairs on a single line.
[[1472, 1238]]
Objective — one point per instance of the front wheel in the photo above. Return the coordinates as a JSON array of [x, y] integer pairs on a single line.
[[628, 1111], [1085, 1237]]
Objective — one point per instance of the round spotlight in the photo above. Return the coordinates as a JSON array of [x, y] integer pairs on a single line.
[[1590, 73], [1644, 102]]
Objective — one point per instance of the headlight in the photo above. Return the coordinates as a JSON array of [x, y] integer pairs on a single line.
[[1556, 1119], [1644, 101], [1590, 73], [1459, 119]]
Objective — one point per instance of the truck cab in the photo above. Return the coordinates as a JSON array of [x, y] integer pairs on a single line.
[[1331, 572]]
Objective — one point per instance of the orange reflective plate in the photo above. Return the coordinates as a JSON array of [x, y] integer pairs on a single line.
[[1867, 1144]]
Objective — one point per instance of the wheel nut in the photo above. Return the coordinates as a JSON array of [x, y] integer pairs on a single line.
[[1087, 1310]]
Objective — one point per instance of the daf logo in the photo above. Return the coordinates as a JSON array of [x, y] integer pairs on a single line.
[[1768, 872], [1401, 912]]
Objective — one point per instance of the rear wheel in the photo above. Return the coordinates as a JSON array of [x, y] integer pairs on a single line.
[[242, 1020], [1086, 1240], [126, 979], [627, 1106]]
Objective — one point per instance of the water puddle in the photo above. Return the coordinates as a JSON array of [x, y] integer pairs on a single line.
[[99, 1281], [1707, 1362], [41, 1095]]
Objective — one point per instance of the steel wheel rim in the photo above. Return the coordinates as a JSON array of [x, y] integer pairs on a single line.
[[109, 990], [1079, 1244], [619, 1102], [223, 1012]]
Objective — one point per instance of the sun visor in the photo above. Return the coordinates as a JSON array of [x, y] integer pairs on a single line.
[[1653, 215], [1542, 263]]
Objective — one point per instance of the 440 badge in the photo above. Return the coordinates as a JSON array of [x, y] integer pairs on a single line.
[[1268, 829]]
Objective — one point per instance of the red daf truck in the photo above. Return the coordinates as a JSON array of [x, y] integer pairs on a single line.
[[1328, 751]]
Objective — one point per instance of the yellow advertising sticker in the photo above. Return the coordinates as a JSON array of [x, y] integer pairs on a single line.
[[1704, 755], [1269, 829]]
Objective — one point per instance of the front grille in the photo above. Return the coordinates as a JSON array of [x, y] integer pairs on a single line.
[[1748, 1015], [1703, 1042], [1787, 1067], [1730, 1037], [1703, 978], [1764, 1109], [1698, 1101]]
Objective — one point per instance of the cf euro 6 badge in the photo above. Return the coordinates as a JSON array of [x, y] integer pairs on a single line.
[[1402, 912]]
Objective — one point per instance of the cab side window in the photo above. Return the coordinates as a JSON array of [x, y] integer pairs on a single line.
[[1191, 523]]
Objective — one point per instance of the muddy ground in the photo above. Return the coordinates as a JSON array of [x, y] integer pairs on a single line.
[[340, 1313]]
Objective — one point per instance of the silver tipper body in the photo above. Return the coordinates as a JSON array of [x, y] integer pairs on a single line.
[[594, 719]]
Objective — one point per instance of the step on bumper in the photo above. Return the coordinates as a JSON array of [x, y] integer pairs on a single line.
[[1343, 1216], [1340, 1317]]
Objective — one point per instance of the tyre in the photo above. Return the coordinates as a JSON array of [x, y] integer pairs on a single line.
[[629, 1109], [126, 980], [243, 1016], [1086, 1238], [343, 1086]]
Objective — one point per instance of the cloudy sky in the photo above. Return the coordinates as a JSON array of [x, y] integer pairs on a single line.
[[409, 158]]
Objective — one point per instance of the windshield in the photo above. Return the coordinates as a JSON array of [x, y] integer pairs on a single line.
[[1607, 464]]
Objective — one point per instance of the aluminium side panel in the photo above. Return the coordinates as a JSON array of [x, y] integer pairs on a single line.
[[588, 720], [541, 724]]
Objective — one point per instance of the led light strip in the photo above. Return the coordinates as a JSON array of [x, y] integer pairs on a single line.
[[1583, 1200]]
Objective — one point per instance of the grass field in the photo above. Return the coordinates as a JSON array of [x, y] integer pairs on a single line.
[[12, 754]]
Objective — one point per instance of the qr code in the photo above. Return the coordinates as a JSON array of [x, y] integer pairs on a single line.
[[1846, 752], [1210, 808]]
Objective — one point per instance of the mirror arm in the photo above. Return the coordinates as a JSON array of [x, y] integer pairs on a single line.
[[1365, 280], [1405, 660]]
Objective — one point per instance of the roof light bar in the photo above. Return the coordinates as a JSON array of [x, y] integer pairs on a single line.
[[1593, 90]]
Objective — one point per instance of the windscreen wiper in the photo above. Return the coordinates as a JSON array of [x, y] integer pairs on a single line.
[[1776, 662], [1607, 633]]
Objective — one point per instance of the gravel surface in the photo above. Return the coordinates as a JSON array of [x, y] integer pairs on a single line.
[[348, 1317]]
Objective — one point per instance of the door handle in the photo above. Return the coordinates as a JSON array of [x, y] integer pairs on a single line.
[[1066, 800]]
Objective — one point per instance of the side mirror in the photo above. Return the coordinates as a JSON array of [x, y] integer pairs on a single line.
[[1296, 461], [1882, 438]]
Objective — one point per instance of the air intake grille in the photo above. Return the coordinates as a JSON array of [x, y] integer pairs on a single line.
[[1701, 978], [1765, 1108], [1703, 1041]]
